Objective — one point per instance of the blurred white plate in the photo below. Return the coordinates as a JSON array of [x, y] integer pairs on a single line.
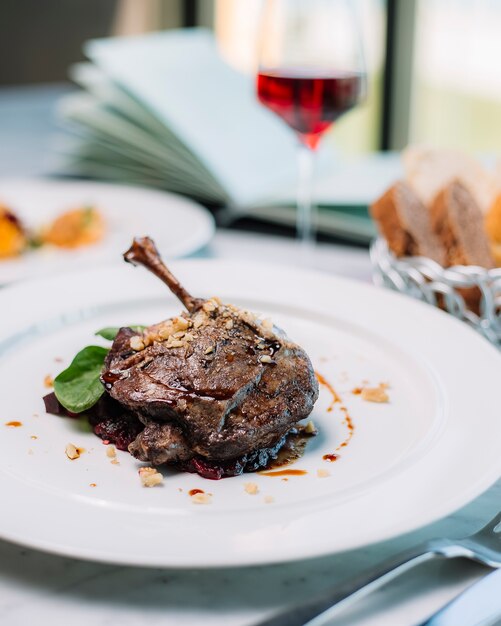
[[180, 226], [430, 450]]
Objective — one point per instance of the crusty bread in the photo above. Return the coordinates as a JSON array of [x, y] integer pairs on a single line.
[[493, 229], [459, 223], [429, 170], [404, 222]]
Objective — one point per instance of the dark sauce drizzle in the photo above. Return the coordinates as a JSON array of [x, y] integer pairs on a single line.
[[347, 421]]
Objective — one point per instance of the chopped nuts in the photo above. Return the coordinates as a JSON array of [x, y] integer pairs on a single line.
[[136, 343], [199, 319], [111, 452], [48, 381], [267, 323], [374, 394], [229, 324], [150, 477], [269, 499], [310, 428], [201, 498], [72, 452], [323, 473], [266, 358], [180, 323], [251, 488], [209, 350], [175, 343], [165, 331], [170, 330], [189, 337], [209, 306]]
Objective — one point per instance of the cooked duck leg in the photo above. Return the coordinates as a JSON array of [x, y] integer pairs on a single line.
[[214, 384], [144, 252]]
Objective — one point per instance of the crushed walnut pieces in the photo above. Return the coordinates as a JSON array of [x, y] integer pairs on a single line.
[[375, 394], [72, 452], [172, 332], [310, 428], [111, 453], [251, 488], [179, 331], [150, 477], [136, 343], [267, 323]]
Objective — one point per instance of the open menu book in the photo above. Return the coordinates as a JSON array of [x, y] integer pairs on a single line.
[[165, 110]]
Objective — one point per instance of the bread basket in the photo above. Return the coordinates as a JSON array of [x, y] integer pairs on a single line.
[[426, 280]]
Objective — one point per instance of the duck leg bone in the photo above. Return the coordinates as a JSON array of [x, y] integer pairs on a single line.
[[143, 252]]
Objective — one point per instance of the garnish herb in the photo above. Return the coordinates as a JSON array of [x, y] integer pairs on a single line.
[[111, 332], [78, 386]]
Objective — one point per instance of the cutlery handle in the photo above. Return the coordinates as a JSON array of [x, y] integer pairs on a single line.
[[318, 610]]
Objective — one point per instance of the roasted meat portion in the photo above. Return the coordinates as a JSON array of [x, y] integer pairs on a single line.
[[213, 384]]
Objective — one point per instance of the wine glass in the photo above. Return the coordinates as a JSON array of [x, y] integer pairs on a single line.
[[311, 71]]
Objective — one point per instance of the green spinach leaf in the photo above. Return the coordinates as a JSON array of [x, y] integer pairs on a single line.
[[78, 386], [111, 332]]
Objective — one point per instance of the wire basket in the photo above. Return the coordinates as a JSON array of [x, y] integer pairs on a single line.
[[426, 280]]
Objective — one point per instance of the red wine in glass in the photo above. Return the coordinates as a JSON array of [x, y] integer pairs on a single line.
[[310, 102]]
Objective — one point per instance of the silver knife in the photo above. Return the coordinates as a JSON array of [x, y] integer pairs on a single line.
[[479, 605]]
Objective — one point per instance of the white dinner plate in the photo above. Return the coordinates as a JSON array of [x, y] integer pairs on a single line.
[[181, 226], [430, 450]]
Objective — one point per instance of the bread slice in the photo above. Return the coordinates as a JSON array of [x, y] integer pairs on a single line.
[[429, 170], [493, 229], [404, 221], [459, 224]]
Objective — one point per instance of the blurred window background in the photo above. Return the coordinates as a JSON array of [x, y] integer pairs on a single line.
[[457, 80], [433, 64]]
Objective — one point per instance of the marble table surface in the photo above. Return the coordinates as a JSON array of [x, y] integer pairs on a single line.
[[51, 590], [54, 590]]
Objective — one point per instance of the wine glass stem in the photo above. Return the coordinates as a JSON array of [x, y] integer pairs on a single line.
[[306, 211]]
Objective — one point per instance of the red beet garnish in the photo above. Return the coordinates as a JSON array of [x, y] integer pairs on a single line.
[[54, 407], [121, 430], [108, 419]]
